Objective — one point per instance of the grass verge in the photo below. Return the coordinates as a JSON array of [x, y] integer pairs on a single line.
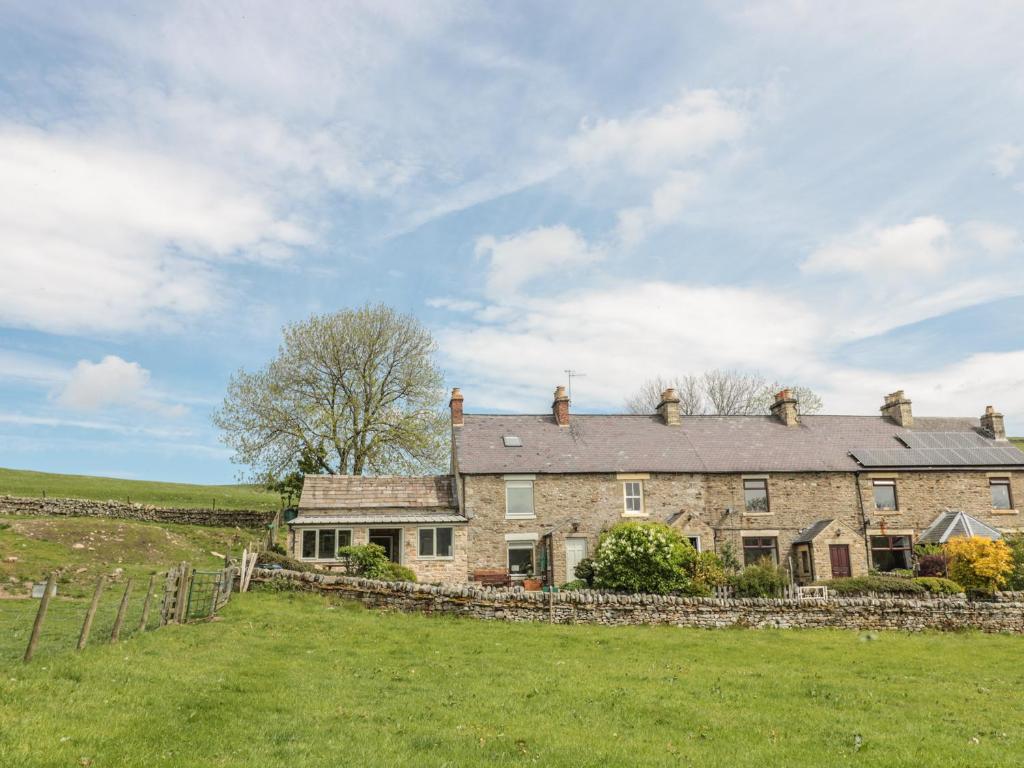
[[300, 680]]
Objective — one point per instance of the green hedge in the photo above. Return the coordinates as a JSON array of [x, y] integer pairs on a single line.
[[869, 585], [939, 586]]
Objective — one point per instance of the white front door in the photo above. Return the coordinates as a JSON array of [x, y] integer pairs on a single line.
[[575, 550]]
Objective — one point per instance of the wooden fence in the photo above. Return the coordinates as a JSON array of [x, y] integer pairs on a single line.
[[187, 595]]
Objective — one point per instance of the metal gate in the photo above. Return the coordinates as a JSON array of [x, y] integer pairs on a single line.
[[205, 594]]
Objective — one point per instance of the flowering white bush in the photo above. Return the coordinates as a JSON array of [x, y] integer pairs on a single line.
[[644, 557]]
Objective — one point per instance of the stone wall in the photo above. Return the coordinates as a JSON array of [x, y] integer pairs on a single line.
[[228, 518], [866, 613]]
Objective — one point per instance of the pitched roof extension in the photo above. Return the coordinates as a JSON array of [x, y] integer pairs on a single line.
[[951, 524], [389, 492], [628, 443]]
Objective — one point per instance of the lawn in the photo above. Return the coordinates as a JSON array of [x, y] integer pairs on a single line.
[[82, 548], [20, 482], [302, 680]]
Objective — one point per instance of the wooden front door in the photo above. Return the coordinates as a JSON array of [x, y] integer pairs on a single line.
[[839, 554], [575, 550]]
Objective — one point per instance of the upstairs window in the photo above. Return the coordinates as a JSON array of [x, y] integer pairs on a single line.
[[436, 542], [633, 493], [1001, 497], [755, 495], [885, 495], [519, 498]]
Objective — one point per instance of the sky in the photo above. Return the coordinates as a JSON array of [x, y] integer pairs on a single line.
[[830, 194]]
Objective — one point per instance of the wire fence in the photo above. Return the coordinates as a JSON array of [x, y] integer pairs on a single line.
[[120, 613]]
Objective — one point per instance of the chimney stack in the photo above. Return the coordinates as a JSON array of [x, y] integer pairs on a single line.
[[560, 407], [897, 408], [456, 407], [668, 408], [992, 423], [785, 408]]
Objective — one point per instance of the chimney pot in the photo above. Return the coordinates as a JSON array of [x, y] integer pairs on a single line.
[[992, 422], [897, 408], [455, 404], [560, 407], [668, 408], [786, 408]]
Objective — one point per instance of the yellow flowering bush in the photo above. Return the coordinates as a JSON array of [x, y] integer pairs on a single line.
[[979, 563]]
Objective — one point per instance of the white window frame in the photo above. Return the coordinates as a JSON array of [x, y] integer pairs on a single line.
[[689, 536], [302, 533], [521, 482], [1005, 482], [885, 482], [520, 543], [626, 496], [435, 556]]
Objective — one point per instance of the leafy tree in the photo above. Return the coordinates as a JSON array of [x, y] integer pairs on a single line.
[[350, 392], [733, 393], [1015, 580], [977, 563]]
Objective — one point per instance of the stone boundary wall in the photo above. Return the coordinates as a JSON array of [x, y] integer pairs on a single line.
[[228, 518], [591, 607]]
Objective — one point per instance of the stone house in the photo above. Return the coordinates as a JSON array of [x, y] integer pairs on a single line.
[[830, 496]]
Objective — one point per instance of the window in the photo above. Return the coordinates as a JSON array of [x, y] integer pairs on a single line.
[[511, 441], [633, 491], [890, 552], [1001, 498], [694, 542], [436, 542], [755, 495], [323, 543], [520, 558], [519, 498], [885, 495], [757, 548], [805, 561]]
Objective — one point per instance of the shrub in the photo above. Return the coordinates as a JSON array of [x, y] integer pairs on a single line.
[[269, 557], [584, 571], [574, 585], [763, 579], [901, 573], [979, 563], [1015, 580], [396, 572], [939, 586], [278, 548], [369, 561], [931, 564], [705, 569], [867, 585], [642, 557], [730, 562]]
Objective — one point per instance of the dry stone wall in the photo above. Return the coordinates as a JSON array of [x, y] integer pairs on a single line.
[[588, 607], [228, 518]]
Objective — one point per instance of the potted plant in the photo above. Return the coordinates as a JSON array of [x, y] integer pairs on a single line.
[[531, 583]]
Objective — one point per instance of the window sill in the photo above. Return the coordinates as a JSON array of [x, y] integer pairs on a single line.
[[636, 514], [431, 559], [1005, 512], [757, 514], [520, 517], [888, 512]]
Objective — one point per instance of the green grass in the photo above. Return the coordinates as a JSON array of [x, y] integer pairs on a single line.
[[40, 545], [299, 680], [20, 482], [1018, 441]]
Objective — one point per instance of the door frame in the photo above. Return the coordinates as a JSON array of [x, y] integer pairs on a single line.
[[396, 535]]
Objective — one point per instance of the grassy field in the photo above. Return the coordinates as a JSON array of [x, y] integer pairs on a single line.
[[20, 482], [83, 548], [300, 680], [1018, 441]]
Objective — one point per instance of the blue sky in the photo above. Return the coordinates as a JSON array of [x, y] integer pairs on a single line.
[[830, 194]]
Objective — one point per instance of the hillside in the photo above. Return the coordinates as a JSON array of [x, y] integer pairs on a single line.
[[83, 548], [20, 482]]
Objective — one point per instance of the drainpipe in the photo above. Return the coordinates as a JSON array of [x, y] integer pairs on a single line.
[[863, 521]]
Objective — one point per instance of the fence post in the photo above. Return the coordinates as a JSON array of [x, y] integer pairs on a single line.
[[37, 627], [122, 609], [145, 605], [167, 604], [181, 601], [90, 614]]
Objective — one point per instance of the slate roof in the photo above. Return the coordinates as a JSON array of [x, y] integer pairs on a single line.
[[811, 532], [322, 493], [951, 524], [376, 518], [628, 443]]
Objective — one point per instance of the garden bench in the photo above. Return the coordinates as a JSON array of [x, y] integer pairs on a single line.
[[492, 577]]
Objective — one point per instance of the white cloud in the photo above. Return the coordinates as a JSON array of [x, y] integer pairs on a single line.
[[649, 143], [102, 238], [19, 366], [112, 382], [996, 239], [888, 253], [1005, 158], [515, 261], [667, 202]]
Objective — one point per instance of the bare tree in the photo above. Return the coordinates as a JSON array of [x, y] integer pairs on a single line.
[[351, 392], [719, 392]]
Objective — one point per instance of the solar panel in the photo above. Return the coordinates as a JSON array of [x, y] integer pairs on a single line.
[[937, 457], [511, 441], [940, 440]]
